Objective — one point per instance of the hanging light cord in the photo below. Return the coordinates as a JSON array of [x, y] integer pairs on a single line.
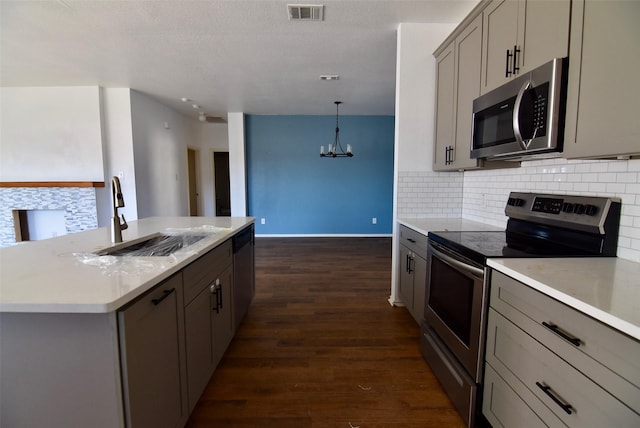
[[336, 150], [337, 142]]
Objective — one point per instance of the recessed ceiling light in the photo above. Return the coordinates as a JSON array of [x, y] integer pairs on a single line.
[[185, 100], [329, 77], [195, 106]]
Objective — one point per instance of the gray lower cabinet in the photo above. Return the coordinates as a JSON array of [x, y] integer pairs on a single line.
[[144, 365], [208, 316], [413, 271], [550, 365], [151, 357]]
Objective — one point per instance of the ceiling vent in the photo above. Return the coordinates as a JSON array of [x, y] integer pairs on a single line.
[[306, 12]]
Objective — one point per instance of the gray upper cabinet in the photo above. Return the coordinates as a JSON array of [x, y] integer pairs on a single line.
[[520, 35], [603, 88], [445, 84], [457, 85]]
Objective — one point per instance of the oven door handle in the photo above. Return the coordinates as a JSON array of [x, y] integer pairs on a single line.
[[479, 273]]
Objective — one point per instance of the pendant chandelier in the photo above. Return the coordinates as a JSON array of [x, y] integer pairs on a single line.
[[335, 149]]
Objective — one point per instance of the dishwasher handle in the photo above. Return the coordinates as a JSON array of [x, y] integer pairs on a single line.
[[243, 238]]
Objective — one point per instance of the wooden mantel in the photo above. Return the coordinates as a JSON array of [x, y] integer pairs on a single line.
[[52, 184]]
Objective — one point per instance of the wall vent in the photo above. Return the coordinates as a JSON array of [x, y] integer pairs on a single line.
[[306, 12]]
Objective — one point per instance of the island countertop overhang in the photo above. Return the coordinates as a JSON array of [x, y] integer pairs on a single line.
[[63, 275]]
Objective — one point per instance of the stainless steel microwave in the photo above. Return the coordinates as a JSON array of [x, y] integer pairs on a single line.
[[524, 118]]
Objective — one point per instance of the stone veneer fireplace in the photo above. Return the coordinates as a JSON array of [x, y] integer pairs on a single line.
[[79, 204]]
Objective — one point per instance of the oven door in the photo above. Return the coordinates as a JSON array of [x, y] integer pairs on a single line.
[[455, 305]]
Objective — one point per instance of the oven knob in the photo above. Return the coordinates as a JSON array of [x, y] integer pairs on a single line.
[[590, 210], [567, 207], [579, 209], [511, 201], [519, 202]]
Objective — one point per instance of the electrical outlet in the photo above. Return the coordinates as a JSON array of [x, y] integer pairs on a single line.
[[374, 220], [263, 220]]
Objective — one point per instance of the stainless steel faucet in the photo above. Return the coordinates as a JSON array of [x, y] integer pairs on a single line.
[[118, 202]]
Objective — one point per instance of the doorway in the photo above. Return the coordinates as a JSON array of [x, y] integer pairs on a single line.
[[222, 184], [192, 157]]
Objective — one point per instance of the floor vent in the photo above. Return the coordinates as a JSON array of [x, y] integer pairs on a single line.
[[306, 12]]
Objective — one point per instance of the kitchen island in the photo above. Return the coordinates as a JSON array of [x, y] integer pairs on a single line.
[[90, 340]]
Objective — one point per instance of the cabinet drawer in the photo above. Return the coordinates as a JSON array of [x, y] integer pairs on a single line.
[[414, 241], [204, 271], [504, 407], [530, 365], [607, 356]]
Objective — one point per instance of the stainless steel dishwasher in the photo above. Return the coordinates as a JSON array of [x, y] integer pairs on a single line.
[[243, 273]]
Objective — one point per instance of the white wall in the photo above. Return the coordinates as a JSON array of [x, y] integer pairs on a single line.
[[50, 134], [238, 177], [418, 191], [414, 117], [415, 93], [160, 139], [213, 138], [118, 154]]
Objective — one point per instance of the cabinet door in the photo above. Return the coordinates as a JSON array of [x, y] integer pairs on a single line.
[[603, 91], [468, 69], [545, 33], [222, 318], [500, 33], [199, 344], [503, 407], [445, 96], [406, 277], [150, 354]]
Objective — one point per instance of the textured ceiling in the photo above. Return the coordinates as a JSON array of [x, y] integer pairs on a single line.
[[225, 55]]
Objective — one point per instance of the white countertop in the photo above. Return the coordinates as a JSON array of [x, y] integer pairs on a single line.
[[426, 225], [605, 288], [63, 275]]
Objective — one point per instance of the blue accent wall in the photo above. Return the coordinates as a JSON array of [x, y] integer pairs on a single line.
[[298, 192]]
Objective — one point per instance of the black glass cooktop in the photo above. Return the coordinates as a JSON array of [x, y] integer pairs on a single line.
[[480, 245]]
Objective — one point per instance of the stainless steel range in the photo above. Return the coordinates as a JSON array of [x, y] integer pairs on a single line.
[[456, 301]]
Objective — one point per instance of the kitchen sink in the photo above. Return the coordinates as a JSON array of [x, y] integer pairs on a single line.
[[159, 244]]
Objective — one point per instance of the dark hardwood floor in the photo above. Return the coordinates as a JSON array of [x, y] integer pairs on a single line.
[[322, 347]]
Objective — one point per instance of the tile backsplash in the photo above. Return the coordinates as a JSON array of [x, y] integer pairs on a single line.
[[429, 194], [482, 195]]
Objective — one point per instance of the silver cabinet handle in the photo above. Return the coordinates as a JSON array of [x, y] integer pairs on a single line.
[[516, 113]]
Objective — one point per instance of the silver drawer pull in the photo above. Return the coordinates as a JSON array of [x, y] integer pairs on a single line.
[[413, 241], [547, 390], [554, 328]]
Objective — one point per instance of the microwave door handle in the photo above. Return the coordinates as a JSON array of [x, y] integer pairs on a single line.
[[516, 113], [457, 263]]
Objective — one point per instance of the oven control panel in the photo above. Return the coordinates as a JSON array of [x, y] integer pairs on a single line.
[[573, 211]]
